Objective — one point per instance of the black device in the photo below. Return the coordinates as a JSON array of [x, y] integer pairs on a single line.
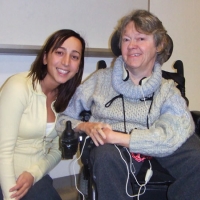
[[69, 142], [69, 139]]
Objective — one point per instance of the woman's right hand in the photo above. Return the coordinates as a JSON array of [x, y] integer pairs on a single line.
[[94, 130], [23, 184]]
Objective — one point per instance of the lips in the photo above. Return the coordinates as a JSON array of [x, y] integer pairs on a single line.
[[62, 71], [135, 54]]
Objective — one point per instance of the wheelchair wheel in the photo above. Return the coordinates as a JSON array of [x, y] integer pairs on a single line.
[[83, 186]]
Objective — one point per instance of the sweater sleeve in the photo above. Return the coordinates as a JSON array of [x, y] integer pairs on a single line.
[[12, 104], [172, 128], [47, 163]]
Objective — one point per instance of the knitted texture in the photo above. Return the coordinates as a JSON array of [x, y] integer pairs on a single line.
[[170, 122]]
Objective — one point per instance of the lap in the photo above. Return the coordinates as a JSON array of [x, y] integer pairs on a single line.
[[41, 190], [108, 154], [184, 158], [184, 165]]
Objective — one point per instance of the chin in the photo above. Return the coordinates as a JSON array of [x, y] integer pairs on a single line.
[[62, 81], [133, 65]]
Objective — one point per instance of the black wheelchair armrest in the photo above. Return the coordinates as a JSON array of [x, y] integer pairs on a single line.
[[196, 118]]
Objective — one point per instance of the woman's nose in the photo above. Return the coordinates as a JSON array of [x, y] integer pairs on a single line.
[[132, 44], [66, 60]]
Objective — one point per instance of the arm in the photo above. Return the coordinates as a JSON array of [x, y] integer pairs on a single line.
[[117, 138], [12, 105], [38, 169], [174, 125], [47, 163]]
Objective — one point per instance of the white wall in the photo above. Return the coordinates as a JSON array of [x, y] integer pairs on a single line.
[[181, 19], [30, 22]]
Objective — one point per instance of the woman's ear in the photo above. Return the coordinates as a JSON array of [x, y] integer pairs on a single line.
[[159, 48], [45, 59]]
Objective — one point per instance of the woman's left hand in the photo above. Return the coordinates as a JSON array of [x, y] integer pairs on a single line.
[[23, 184], [114, 137]]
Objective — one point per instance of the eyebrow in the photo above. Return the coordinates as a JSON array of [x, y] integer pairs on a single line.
[[72, 50]]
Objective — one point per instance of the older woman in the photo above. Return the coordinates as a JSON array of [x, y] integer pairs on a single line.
[[132, 97]]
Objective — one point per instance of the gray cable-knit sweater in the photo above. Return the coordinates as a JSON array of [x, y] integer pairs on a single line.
[[170, 122]]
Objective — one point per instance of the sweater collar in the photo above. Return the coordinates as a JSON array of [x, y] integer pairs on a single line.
[[38, 88], [128, 88]]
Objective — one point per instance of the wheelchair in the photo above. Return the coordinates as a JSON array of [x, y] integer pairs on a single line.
[[156, 188]]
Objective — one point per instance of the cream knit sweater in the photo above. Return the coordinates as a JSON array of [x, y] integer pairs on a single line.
[[23, 145]]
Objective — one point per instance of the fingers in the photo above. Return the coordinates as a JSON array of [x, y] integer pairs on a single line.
[[95, 131], [96, 137], [16, 187], [101, 133], [23, 183], [97, 134], [19, 193]]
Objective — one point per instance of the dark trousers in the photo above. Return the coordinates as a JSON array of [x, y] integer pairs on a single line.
[[110, 173], [42, 190], [184, 166]]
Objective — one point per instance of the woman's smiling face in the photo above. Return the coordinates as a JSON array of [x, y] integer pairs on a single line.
[[63, 63], [138, 50]]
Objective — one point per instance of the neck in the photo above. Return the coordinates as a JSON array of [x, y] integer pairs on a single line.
[[136, 77], [48, 89]]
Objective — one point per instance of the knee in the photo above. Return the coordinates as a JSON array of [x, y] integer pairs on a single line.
[[104, 154]]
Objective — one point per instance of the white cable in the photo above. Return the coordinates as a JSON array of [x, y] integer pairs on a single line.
[[149, 173], [144, 98], [73, 165], [143, 185], [147, 177]]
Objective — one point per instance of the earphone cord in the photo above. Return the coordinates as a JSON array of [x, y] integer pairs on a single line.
[[149, 112], [74, 162], [144, 99], [108, 104], [148, 175], [123, 105]]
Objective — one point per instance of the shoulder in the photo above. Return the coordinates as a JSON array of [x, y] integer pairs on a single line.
[[17, 84], [170, 92], [169, 85], [20, 78]]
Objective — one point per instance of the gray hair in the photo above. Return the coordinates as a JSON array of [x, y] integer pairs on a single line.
[[147, 23]]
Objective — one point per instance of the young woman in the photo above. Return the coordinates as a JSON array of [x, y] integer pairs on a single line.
[[132, 97], [29, 104]]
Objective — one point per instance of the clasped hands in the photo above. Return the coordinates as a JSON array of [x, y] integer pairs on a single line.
[[100, 133]]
